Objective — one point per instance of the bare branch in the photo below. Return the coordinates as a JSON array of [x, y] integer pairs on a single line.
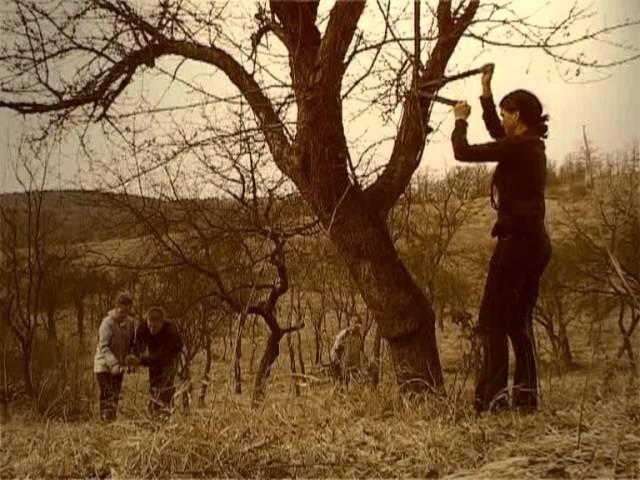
[[413, 131], [343, 21]]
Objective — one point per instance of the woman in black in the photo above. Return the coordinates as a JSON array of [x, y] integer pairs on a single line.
[[523, 248]]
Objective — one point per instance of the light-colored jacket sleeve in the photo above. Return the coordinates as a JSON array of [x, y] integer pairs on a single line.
[[104, 345], [133, 337], [338, 345]]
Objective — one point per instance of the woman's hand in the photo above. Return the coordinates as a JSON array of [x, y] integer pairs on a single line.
[[462, 110], [487, 76]]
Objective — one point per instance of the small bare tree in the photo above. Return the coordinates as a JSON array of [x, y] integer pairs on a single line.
[[439, 209], [236, 241], [560, 302], [608, 227], [23, 246]]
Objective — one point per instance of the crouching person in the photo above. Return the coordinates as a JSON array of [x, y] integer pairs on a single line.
[[158, 345], [345, 354], [115, 340]]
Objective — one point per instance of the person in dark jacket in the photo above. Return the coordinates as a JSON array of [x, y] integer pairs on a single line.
[[523, 248], [158, 345]]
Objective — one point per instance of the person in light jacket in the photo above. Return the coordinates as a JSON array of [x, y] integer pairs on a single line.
[[345, 355], [115, 340]]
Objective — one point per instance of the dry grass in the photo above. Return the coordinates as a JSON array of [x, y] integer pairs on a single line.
[[588, 427], [360, 433]]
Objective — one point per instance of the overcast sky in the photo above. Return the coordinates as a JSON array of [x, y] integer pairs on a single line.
[[609, 108]]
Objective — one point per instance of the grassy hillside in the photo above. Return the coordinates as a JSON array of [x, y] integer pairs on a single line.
[[588, 426]]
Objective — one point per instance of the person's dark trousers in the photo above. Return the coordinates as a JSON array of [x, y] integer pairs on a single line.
[[506, 312], [110, 387], [491, 388], [161, 388]]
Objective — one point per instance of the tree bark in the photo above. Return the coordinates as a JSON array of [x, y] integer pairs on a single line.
[[360, 233], [269, 356], [355, 219], [403, 314]]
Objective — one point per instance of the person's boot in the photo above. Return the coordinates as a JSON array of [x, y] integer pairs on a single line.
[[500, 403]]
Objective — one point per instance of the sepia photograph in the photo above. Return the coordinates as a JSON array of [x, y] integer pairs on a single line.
[[319, 239]]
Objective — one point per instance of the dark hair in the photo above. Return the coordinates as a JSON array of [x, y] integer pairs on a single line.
[[530, 109], [156, 310]]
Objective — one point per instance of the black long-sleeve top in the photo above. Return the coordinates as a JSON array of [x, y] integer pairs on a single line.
[[520, 175], [162, 348]]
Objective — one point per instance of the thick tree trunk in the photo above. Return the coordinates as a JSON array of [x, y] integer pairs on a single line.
[[319, 164], [403, 313], [359, 232], [269, 356]]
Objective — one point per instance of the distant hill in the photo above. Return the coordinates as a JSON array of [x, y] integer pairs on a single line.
[[96, 216], [79, 216]]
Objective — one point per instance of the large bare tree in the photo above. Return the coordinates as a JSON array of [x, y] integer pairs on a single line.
[[78, 61]]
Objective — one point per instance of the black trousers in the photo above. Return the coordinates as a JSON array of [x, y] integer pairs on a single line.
[[506, 313], [161, 388], [110, 387]]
